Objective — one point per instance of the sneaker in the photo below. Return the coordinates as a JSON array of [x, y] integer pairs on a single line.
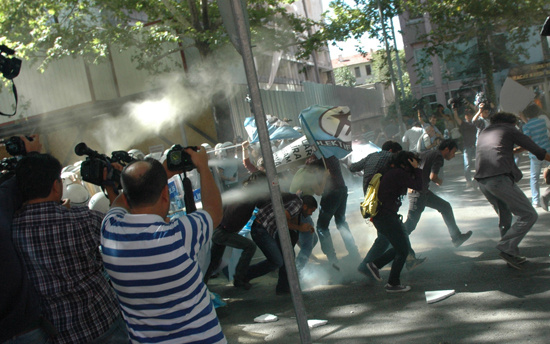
[[457, 242], [242, 284], [513, 261], [413, 263], [362, 268], [544, 202], [374, 271], [397, 288]]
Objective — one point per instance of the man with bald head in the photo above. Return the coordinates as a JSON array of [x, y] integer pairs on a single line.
[[153, 263]]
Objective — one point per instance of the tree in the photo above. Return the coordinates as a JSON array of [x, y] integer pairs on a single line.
[[344, 77], [498, 31], [46, 30]]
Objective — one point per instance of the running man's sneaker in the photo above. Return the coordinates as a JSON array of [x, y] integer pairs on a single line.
[[544, 202], [397, 288], [374, 271], [413, 263], [513, 261], [457, 242]]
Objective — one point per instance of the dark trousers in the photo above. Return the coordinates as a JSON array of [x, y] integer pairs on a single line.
[[389, 225], [222, 238], [418, 201], [271, 248]]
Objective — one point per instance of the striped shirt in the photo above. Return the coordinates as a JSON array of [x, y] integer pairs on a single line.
[[60, 249], [536, 129], [154, 269]]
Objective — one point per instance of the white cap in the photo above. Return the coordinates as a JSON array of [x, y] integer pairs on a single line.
[[99, 202]]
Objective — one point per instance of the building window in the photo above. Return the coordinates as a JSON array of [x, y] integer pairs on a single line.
[[357, 72], [368, 69]]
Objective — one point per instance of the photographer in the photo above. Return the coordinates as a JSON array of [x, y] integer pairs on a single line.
[[153, 263], [21, 317], [59, 246]]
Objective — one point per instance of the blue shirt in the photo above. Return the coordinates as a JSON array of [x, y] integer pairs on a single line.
[[156, 276], [536, 129]]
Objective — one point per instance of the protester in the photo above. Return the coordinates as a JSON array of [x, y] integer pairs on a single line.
[[153, 262], [411, 137], [535, 128], [308, 180], [333, 204], [59, 246], [236, 213], [497, 175], [393, 184], [469, 136], [431, 164], [379, 162], [266, 236]]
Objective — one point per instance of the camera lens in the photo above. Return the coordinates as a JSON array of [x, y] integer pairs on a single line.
[[175, 157]]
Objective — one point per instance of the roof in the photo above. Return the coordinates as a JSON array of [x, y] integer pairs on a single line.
[[342, 61]]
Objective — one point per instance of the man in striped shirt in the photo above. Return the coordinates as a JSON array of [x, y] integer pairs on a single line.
[[153, 263], [535, 128]]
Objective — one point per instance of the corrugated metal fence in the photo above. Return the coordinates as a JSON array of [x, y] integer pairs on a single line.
[[363, 103]]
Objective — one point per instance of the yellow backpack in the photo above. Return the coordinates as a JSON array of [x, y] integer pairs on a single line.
[[369, 207]]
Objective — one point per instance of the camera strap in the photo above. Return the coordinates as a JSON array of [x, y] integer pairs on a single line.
[[188, 198], [14, 89]]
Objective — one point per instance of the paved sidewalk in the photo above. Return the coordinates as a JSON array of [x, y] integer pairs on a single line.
[[493, 303]]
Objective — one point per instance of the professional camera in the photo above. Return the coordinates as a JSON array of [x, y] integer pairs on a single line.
[[15, 145], [9, 66], [92, 168], [177, 159], [454, 103], [419, 105]]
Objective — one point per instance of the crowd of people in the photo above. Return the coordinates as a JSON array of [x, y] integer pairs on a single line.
[[75, 275]]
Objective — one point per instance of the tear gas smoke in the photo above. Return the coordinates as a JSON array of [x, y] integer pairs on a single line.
[[178, 97]]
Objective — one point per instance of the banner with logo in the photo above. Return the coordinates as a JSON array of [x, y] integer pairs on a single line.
[[296, 151], [328, 128], [277, 129]]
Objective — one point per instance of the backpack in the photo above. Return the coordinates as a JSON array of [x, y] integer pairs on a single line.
[[369, 207]]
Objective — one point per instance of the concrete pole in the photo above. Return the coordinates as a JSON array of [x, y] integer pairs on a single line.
[[265, 145]]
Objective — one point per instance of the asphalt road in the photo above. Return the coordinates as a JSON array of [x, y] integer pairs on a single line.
[[493, 302]]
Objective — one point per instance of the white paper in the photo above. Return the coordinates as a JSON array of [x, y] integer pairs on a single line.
[[438, 295], [316, 323], [265, 318]]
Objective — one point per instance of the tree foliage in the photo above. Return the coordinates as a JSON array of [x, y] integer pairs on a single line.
[[344, 77], [499, 31], [46, 30]]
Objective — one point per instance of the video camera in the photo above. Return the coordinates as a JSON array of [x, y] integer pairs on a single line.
[[455, 103], [92, 168], [178, 159], [419, 105], [15, 145]]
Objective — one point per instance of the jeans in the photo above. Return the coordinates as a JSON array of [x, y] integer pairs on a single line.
[[37, 336], [507, 199], [116, 334], [307, 242], [333, 204], [468, 154], [390, 226], [418, 201], [381, 245], [271, 248], [536, 167], [222, 238]]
